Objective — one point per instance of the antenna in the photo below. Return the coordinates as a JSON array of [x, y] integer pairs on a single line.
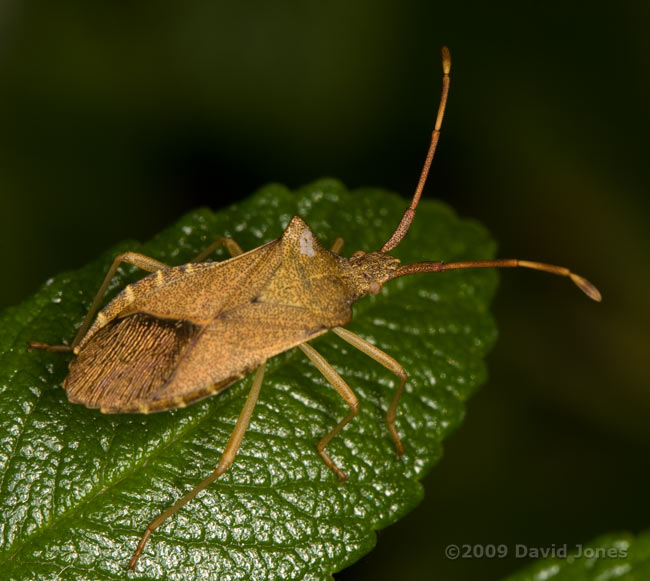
[[582, 283], [403, 227], [407, 218]]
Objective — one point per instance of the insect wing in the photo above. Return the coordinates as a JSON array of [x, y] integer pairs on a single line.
[[239, 340], [127, 361], [142, 363]]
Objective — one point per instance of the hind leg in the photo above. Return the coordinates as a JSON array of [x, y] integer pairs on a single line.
[[134, 258]]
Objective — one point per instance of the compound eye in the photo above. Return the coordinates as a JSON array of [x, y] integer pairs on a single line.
[[374, 288]]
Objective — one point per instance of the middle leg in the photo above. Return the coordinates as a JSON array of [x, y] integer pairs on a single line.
[[233, 248], [337, 245], [343, 389]]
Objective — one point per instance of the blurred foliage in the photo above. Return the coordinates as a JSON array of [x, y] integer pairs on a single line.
[[623, 557], [116, 118]]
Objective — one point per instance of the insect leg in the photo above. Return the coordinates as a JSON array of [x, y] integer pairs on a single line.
[[229, 243], [343, 389], [134, 258], [389, 363], [229, 453], [337, 245]]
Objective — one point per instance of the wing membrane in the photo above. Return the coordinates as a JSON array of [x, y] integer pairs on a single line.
[[128, 361]]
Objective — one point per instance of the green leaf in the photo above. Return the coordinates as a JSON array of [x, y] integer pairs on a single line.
[[78, 488], [615, 556]]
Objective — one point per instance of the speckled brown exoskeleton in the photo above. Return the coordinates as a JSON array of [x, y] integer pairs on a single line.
[[187, 332]]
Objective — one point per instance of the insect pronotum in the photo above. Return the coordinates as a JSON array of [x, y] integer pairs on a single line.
[[183, 333]]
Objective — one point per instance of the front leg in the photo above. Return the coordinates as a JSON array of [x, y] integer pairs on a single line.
[[389, 363]]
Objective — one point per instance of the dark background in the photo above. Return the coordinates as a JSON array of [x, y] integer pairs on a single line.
[[115, 118]]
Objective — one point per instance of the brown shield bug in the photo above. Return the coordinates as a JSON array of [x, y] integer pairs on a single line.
[[186, 332]]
